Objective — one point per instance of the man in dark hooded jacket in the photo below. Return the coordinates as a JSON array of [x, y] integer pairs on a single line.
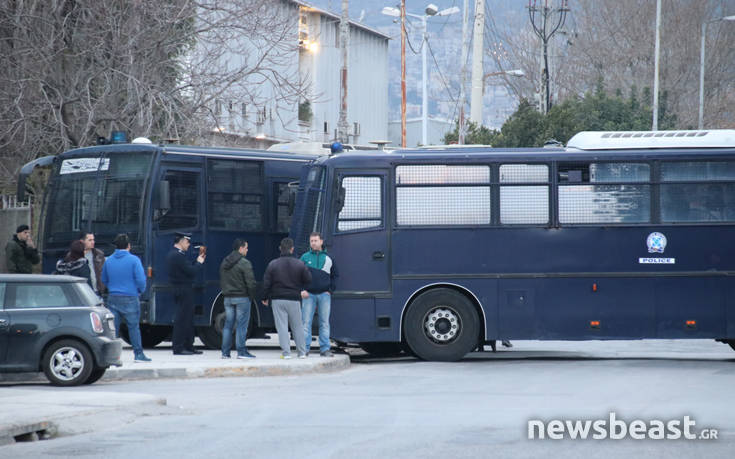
[[237, 283], [20, 253]]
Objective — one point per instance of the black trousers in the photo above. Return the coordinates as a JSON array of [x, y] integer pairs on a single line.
[[183, 334]]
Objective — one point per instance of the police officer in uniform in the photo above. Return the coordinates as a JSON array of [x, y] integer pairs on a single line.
[[182, 273]]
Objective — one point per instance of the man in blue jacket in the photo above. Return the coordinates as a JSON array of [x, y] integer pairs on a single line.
[[124, 277], [323, 278]]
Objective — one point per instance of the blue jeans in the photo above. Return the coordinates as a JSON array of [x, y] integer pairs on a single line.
[[236, 307], [323, 303], [128, 308]]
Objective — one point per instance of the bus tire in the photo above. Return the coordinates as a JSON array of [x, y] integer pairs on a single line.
[[211, 336], [442, 325], [376, 349], [150, 335]]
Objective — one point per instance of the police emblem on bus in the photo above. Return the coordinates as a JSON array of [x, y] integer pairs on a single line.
[[656, 243]]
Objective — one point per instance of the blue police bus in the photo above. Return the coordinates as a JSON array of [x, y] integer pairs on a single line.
[[620, 235], [151, 191]]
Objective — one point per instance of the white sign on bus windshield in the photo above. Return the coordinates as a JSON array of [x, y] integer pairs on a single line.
[[78, 165]]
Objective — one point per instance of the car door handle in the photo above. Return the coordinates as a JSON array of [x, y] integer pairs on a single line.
[[378, 255]]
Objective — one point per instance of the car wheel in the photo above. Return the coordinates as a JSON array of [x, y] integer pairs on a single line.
[[442, 325], [95, 375], [67, 363]]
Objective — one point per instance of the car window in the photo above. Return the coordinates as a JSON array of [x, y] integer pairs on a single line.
[[87, 295], [38, 296]]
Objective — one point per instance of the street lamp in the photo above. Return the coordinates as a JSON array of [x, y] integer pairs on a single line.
[[431, 10], [515, 73], [701, 67]]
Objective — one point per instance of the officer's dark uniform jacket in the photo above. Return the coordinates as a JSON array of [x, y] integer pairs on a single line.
[[181, 271]]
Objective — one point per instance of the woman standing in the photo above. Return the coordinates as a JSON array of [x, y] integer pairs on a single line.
[[74, 264]]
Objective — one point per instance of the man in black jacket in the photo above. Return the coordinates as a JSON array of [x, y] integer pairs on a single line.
[[20, 253], [284, 280], [237, 283], [181, 274]]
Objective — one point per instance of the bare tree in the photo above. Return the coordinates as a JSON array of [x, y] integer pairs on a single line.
[[73, 70], [614, 42]]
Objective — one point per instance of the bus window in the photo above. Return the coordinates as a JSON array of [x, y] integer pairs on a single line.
[[235, 194], [423, 197], [184, 192], [604, 193], [283, 213], [100, 194], [689, 194], [521, 203], [362, 208]]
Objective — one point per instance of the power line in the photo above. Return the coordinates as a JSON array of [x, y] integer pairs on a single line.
[[444, 82]]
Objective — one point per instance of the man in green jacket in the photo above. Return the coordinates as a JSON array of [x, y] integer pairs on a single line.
[[20, 253], [237, 283]]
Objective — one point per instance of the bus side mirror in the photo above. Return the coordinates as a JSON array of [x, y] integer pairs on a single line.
[[339, 203], [162, 198]]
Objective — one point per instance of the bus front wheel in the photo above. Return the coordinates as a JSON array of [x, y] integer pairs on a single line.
[[150, 335], [442, 325], [376, 349]]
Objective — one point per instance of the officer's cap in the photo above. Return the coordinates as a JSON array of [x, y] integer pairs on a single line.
[[179, 235]]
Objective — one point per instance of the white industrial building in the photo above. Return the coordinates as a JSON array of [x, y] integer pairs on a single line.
[[317, 58]]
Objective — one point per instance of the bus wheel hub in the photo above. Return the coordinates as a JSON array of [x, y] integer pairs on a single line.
[[442, 324]]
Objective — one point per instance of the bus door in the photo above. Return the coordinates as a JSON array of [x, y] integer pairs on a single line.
[[182, 212], [360, 248], [359, 242]]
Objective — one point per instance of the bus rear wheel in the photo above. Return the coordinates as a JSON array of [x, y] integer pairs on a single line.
[[442, 325], [211, 336]]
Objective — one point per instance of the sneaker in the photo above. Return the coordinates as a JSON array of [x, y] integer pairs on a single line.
[[286, 356], [506, 343], [225, 357], [142, 358], [245, 355], [326, 353], [302, 356]]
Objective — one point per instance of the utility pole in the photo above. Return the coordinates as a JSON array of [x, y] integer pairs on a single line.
[[477, 67], [545, 26], [654, 126], [463, 73], [344, 31], [403, 73]]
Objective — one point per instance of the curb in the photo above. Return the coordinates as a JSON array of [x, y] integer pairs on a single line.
[[266, 368]]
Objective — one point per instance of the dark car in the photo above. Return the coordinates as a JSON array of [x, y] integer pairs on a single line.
[[58, 325]]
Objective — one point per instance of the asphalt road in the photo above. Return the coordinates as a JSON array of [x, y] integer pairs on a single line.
[[401, 407]]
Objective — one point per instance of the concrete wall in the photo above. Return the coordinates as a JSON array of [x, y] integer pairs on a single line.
[[9, 221]]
